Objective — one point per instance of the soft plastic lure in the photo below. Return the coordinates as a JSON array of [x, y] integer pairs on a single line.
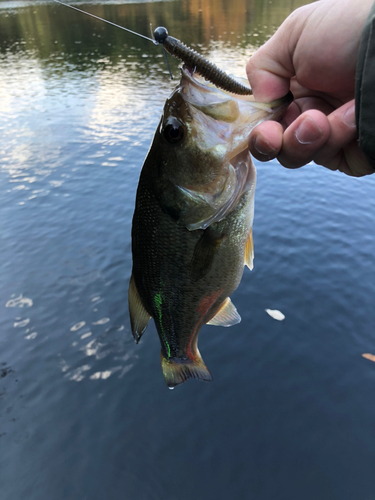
[[199, 64]]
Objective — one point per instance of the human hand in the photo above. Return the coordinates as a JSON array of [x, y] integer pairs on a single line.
[[314, 54]]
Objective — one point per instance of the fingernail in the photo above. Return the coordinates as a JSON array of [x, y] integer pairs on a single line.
[[308, 131], [263, 147], [349, 116]]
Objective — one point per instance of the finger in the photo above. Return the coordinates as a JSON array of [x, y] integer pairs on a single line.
[[341, 151], [343, 132], [265, 140], [354, 161], [312, 102], [270, 69], [299, 106], [303, 139], [300, 92], [351, 161]]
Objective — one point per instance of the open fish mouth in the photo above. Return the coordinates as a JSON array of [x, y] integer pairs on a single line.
[[203, 88], [221, 117]]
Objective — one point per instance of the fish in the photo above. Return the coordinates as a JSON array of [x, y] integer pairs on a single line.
[[193, 217], [192, 223]]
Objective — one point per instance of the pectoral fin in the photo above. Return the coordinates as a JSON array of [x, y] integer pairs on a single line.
[[227, 315], [249, 251], [139, 317]]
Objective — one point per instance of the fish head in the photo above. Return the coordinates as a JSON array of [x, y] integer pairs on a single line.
[[201, 148]]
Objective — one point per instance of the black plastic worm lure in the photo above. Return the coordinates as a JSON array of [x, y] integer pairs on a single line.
[[199, 64], [187, 55]]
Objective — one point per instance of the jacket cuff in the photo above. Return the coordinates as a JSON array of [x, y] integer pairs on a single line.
[[365, 89]]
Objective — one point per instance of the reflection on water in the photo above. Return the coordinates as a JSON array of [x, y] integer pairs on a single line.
[[53, 31], [19, 302], [84, 412]]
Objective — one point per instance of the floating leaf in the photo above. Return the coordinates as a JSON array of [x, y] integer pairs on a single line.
[[275, 314], [369, 356]]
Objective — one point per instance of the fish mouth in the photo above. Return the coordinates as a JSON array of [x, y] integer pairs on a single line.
[[190, 78], [223, 120], [202, 84]]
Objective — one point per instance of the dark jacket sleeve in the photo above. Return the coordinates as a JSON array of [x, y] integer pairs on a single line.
[[365, 89]]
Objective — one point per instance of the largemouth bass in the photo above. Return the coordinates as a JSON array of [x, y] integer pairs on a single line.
[[192, 224]]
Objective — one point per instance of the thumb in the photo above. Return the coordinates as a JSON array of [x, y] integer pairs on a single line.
[[268, 80], [270, 69]]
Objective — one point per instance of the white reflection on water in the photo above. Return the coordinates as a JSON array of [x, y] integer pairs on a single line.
[[56, 183], [97, 354], [19, 302], [118, 102], [31, 336], [98, 349], [20, 324], [104, 375], [21, 78], [77, 326], [102, 321], [78, 373], [229, 59]]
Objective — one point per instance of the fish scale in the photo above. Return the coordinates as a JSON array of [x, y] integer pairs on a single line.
[[162, 254]]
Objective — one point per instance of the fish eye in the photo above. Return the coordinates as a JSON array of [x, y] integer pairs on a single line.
[[173, 131]]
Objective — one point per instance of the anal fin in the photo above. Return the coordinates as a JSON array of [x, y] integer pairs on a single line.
[[249, 251], [139, 317], [177, 371], [227, 315]]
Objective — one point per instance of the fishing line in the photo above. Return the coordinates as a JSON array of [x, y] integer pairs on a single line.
[[166, 60], [190, 57], [105, 20], [121, 27]]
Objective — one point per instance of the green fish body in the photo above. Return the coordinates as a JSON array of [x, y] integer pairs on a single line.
[[192, 224]]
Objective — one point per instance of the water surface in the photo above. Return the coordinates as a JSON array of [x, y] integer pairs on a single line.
[[84, 412]]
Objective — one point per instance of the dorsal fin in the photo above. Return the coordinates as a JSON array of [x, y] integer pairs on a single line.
[[139, 317], [249, 251], [227, 315]]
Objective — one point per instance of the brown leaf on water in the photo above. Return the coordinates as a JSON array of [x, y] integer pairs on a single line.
[[371, 357]]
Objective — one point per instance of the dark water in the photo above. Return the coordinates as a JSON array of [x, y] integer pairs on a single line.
[[84, 412]]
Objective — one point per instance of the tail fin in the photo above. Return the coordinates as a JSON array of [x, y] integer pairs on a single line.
[[176, 370]]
